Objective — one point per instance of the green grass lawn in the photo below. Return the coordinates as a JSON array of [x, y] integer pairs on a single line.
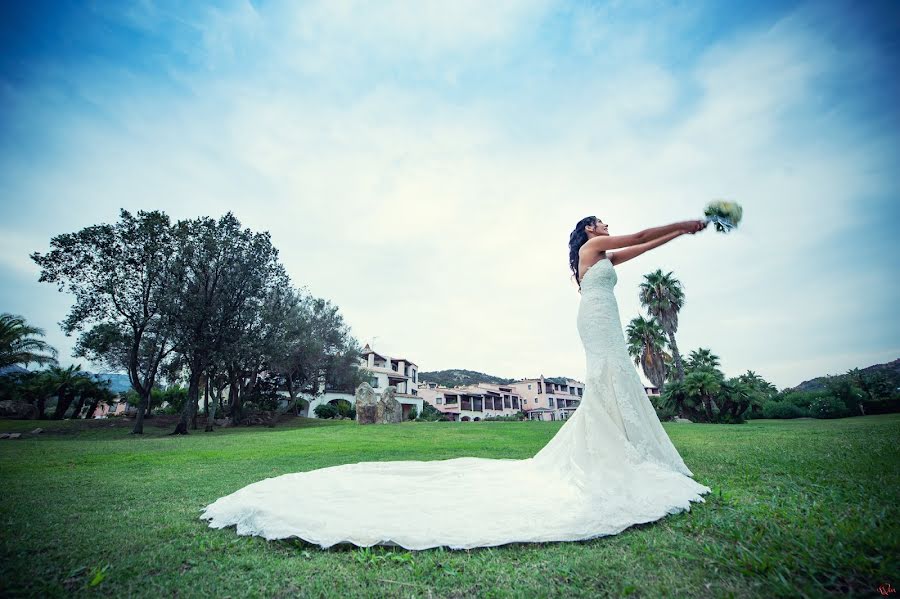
[[798, 508]]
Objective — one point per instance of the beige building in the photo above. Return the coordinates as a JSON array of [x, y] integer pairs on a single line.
[[549, 400], [472, 402]]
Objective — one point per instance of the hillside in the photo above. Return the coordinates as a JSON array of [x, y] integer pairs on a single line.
[[891, 370], [457, 377]]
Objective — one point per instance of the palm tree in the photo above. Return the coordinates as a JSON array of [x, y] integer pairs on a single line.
[[101, 393], [66, 381], [18, 344], [702, 385], [646, 340], [662, 296], [758, 383], [703, 358], [89, 389]]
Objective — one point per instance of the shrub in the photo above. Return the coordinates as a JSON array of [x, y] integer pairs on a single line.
[[782, 409], [168, 410], [801, 399], [504, 418], [326, 410], [413, 413], [665, 408], [829, 407], [344, 407], [430, 414]]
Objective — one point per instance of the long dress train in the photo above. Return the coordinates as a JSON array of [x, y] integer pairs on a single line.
[[610, 465]]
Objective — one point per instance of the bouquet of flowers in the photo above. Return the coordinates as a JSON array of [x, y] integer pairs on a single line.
[[724, 214]]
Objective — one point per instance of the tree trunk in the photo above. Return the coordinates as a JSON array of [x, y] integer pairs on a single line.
[[210, 407], [148, 412], [78, 406], [92, 409], [139, 419], [276, 413], [234, 399], [42, 406], [63, 401], [679, 367], [707, 408], [190, 406]]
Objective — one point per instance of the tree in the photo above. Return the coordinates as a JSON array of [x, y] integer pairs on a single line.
[[65, 384], [258, 336], [663, 297], [221, 269], [119, 275], [736, 396], [18, 344], [99, 394], [646, 340], [703, 358], [847, 393], [317, 352], [761, 390], [702, 385]]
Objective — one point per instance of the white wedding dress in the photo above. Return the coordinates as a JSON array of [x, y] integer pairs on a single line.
[[611, 465]]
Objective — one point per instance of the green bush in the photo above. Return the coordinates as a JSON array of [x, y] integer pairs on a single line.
[[829, 407], [326, 410], [665, 408], [344, 407], [504, 418], [413, 413], [430, 414], [782, 409], [801, 399]]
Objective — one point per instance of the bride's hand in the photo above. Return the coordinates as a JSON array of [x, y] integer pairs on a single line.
[[693, 226]]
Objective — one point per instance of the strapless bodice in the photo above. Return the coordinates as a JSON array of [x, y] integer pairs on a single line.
[[604, 278]]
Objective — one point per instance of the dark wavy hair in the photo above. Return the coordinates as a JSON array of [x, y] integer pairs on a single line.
[[577, 238]]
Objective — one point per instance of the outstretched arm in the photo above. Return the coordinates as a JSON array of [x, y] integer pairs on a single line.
[[610, 242], [626, 254]]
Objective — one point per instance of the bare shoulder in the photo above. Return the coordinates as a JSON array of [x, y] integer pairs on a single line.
[[588, 254], [587, 257]]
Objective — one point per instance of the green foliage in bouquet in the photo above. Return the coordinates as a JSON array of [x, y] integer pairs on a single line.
[[724, 215]]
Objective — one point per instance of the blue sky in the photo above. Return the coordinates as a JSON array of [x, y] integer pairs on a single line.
[[422, 168]]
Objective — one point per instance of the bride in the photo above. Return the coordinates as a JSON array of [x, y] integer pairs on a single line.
[[610, 465]]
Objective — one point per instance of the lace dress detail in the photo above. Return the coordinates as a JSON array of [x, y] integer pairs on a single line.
[[610, 466]]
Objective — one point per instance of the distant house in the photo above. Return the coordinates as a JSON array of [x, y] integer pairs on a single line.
[[549, 400], [119, 384], [386, 370], [539, 398], [472, 402]]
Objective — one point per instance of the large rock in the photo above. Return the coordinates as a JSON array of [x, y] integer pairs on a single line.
[[17, 410], [678, 419], [366, 404], [389, 409]]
